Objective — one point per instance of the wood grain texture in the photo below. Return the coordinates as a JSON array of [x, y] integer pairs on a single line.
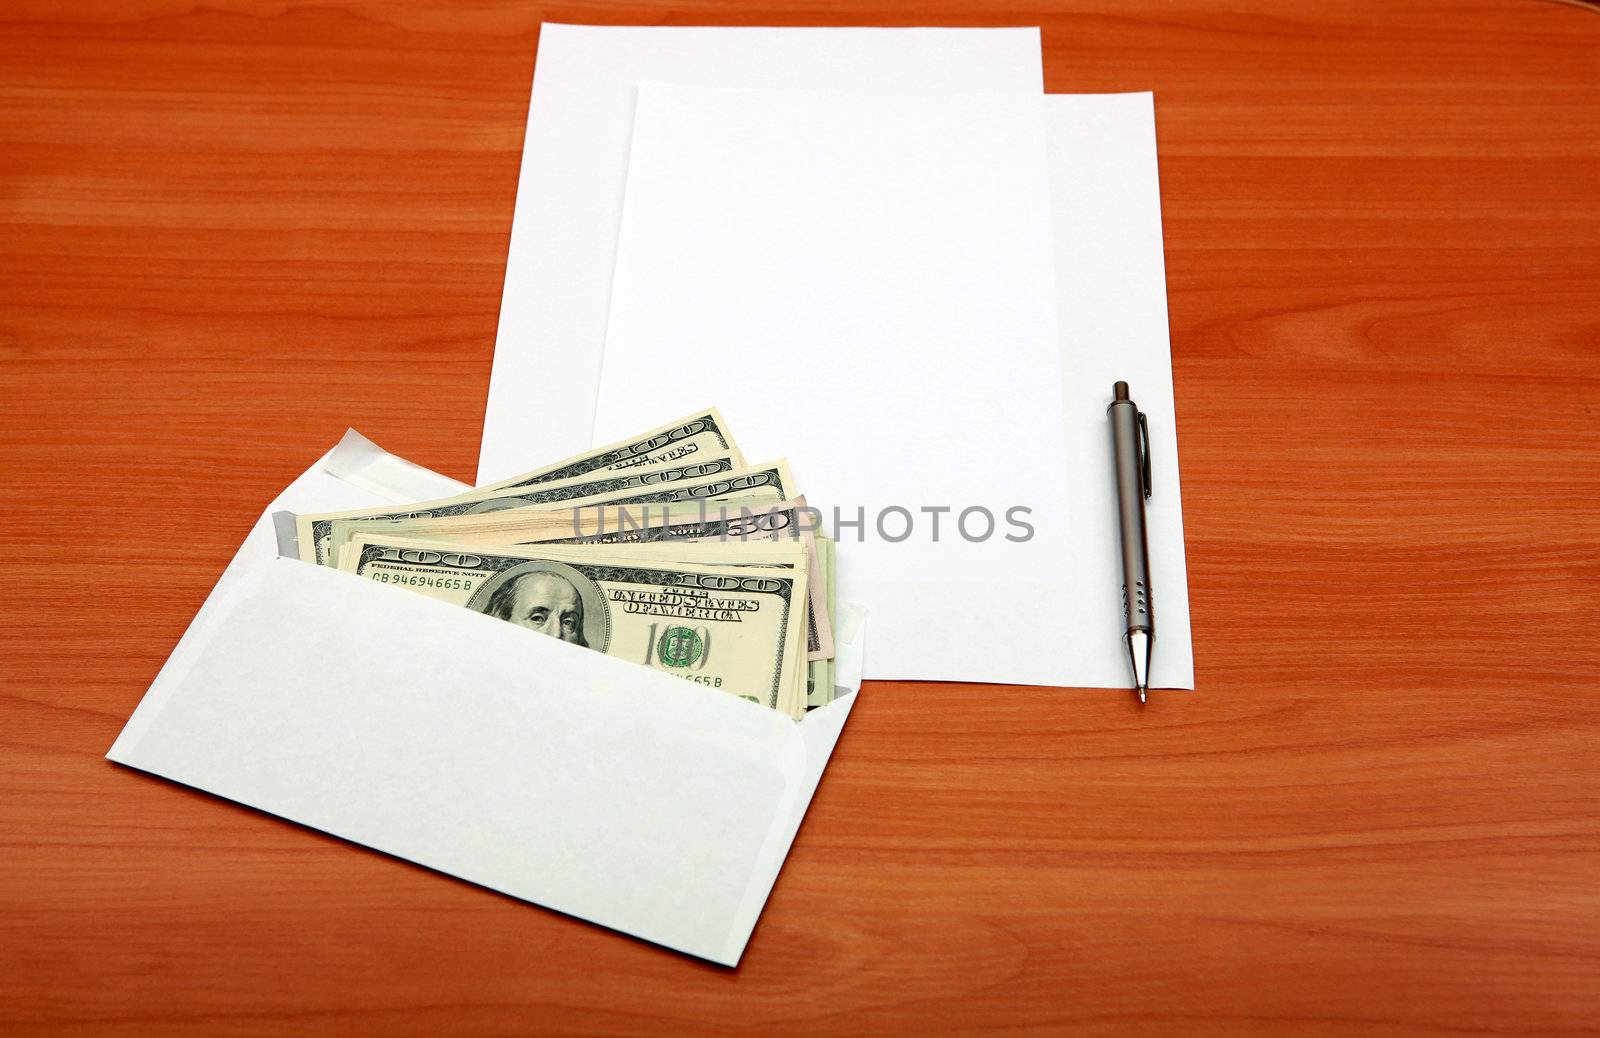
[[1381, 814]]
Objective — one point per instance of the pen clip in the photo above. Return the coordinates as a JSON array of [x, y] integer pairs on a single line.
[[1144, 452]]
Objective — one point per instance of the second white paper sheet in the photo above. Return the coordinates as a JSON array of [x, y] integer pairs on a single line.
[[866, 281], [869, 282]]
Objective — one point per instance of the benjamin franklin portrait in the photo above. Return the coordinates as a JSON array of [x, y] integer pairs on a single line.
[[551, 598]]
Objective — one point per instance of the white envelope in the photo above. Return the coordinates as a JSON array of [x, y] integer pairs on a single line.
[[537, 768]]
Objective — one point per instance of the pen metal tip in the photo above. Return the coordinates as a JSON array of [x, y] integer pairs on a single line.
[[1141, 693]]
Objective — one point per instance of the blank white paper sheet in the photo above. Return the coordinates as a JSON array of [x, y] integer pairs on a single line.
[[923, 298], [868, 280], [575, 161]]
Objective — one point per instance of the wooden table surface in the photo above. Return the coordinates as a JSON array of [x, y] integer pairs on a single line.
[[231, 230]]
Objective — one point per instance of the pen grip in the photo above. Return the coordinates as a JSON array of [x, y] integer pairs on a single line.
[[1137, 608]]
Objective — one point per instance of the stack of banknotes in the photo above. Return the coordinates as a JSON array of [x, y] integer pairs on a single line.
[[665, 549]]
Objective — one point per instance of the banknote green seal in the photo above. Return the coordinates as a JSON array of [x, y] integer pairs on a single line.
[[680, 647]]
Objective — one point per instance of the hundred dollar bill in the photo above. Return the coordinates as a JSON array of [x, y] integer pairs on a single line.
[[449, 520], [732, 628], [786, 556], [319, 543], [695, 435], [732, 553], [741, 519], [768, 481], [732, 519], [579, 521]]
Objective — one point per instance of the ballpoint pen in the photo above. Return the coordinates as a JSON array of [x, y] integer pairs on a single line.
[[1130, 440]]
